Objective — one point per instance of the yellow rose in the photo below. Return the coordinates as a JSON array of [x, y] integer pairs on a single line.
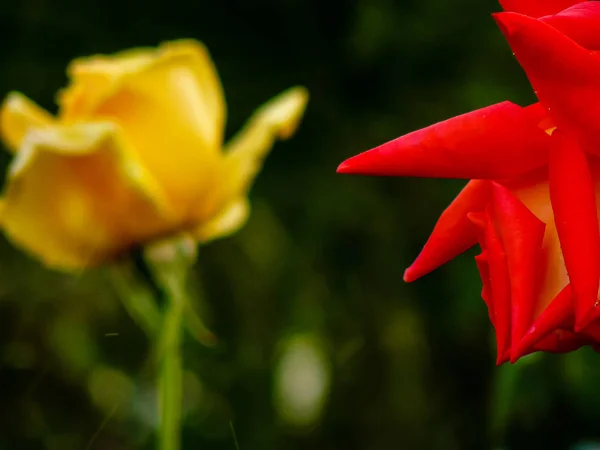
[[135, 153]]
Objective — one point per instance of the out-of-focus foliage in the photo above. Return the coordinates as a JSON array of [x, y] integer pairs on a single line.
[[320, 344]]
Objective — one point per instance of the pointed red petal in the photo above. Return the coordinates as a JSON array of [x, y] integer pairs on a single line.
[[480, 221], [536, 8], [563, 74], [558, 314], [500, 141], [580, 22], [453, 233], [522, 234], [499, 302], [574, 205]]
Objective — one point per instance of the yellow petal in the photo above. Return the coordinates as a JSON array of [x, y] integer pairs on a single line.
[[276, 119], [18, 115], [227, 222], [112, 66], [195, 80], [95, 78], [75, 196], [171, 107], [208, 107]]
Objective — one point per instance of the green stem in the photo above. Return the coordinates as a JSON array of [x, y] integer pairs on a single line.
[[142, 307], [169, 263], [171, 375]]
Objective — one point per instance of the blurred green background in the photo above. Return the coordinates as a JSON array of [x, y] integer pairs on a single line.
[[321, 345]]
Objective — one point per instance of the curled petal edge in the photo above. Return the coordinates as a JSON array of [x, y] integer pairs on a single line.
[[18, 115], [279, 118], [45, 149]]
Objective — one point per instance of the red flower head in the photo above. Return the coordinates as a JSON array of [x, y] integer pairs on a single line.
[[532, 199]]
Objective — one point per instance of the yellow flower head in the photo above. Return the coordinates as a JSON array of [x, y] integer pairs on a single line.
[[135, 153]]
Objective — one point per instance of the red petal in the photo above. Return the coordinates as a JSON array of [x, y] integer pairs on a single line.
[[453, 233], [500, 141], [538, 113], [563, 74], [561, 341], [592, 332], [480, 220], [580, 22], [499, 302], [558, 314], [537, 8], [574, 205], [522, 234], [483, 266]]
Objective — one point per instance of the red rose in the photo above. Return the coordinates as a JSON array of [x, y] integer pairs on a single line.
[[532, 200]]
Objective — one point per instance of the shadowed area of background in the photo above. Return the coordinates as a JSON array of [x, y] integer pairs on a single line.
[[321, 345]]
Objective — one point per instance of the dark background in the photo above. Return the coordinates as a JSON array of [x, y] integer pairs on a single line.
[[321, 344]]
